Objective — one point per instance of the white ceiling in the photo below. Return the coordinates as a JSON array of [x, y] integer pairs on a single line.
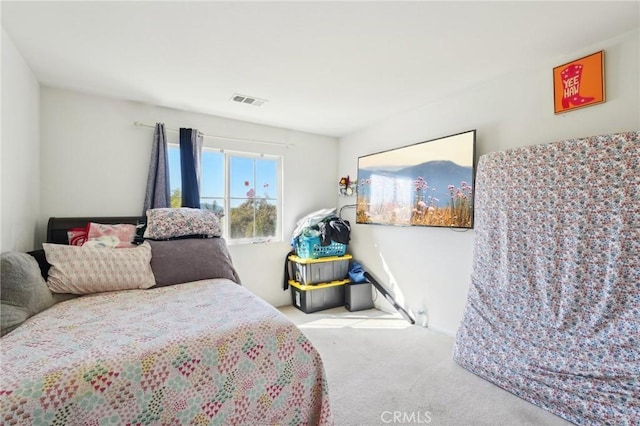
[[324, 67]]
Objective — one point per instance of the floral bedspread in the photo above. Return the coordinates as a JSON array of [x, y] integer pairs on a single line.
[[206, 353], [553, 311]]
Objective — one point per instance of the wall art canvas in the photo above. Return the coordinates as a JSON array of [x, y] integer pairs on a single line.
[[579, 83], [426, 184]]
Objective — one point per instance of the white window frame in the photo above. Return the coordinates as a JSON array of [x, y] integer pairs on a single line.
[[226, 220]]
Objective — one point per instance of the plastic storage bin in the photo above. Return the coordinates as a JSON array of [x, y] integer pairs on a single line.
[[313, 298], [310, 248], [357, 296], [315, 271]]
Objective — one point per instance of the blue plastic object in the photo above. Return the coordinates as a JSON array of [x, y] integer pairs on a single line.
[[356, 273]]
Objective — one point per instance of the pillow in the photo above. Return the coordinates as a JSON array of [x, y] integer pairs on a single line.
[[181, 261], [85, 270], [11, 317], [23, 291], [41, 258], [108, 241], [114, 236], [166, 223], [77, 236]]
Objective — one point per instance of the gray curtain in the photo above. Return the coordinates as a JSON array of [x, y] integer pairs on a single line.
[[158, 194]]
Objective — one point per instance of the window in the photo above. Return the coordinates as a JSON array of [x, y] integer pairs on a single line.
[[244, 187]]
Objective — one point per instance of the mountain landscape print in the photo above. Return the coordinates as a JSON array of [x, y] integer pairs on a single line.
[[425, 184]]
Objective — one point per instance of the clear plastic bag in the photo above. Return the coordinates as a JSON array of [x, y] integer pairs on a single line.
[[310, 220]]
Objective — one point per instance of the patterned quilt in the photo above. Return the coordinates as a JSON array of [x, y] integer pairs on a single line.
[[201, 353], [553, 312]]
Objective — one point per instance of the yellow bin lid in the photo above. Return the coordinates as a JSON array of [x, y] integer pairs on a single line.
[[296, 284], [297, 259]]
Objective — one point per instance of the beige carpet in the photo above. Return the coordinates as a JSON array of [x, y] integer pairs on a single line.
[[382, 370]]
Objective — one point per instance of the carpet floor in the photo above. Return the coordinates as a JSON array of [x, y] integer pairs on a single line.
[[382, 370]]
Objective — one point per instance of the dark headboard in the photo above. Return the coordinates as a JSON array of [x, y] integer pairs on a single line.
[[58, 226]]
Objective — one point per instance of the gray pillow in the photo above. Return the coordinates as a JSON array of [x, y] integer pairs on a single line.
[[23, 291], [11, 317], [181, 261]]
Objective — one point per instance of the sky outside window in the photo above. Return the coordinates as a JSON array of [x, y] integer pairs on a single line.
[[241, 173]]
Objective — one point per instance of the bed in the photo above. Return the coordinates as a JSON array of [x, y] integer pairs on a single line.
[[205, 351]]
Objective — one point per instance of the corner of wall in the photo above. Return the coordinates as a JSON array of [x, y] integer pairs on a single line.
[[19, 151]]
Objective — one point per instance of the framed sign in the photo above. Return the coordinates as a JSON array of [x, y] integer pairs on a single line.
[[579, 83]]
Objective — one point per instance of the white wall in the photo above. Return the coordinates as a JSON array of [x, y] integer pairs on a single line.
[[432, 266], [95, 163], [20, 151]]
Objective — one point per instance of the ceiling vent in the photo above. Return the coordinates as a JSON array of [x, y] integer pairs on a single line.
[[249, 100]]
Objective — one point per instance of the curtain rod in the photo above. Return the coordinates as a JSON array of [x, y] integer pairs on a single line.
[[287, 145]]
